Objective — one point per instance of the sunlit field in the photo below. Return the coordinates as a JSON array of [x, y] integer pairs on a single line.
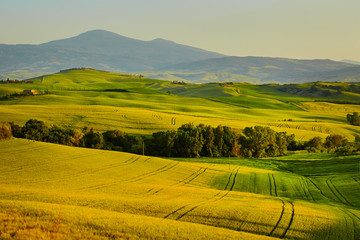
[[51, 190]]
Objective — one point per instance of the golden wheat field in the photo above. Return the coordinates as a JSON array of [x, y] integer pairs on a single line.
[[53, 191]]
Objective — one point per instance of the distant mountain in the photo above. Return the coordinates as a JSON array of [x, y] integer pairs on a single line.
[[98, 49], [265, 69], [350, 61]]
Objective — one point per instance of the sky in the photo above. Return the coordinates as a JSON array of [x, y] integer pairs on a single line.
[[301, 29]]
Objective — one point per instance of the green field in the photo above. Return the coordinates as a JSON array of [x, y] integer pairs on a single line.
[[142, 106], [50, 191], [53, 191]]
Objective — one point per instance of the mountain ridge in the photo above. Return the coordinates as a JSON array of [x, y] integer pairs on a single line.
[[98, 49]]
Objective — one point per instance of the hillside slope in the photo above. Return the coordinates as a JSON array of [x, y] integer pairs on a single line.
[[104, 100], [86, 193]]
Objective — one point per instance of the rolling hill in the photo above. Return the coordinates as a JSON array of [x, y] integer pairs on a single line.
[[50, 191], [56, 192], [105, 100]]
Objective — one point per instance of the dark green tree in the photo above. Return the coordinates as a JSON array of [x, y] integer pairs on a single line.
[[354, 119], [35, 130]]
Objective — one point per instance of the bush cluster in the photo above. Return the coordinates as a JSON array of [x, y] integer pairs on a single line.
[[333, 143]]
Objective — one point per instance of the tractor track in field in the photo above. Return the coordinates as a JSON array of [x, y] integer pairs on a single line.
[[291, 220], [356, 180], [305, 187], [354, 222], [152, 173], [220, 195], [43, 163], [24, 150], [281, 219], [337, 193], [272, 185], [316, 186], [92, 171], [134, 179], [184, 181]]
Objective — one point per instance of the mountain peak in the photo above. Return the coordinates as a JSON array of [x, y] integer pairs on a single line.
[[99, 33]]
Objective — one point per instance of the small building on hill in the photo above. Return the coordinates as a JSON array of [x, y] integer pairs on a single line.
[[30, 92]]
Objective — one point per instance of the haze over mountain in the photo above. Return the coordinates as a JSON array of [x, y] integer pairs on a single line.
[[265, 69], [98, 49], [164, 59]]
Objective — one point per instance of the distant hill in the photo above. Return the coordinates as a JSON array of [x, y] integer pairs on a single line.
[[163, 59], [351, 61], [265, 69], [98, 49]]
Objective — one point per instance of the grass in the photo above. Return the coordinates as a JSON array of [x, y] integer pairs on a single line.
[[54, 191], [142, 106], [51, 191]]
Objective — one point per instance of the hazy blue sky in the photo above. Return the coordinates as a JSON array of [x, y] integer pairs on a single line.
[[277, 28]]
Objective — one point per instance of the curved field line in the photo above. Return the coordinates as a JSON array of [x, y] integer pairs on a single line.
[[354, 222], [356, 180], [213, 198], [302, 187], [336, 192], [136, 178], [44, 163], [187, 181], [317, 187], [270, 185], [152, 173], [279, 220], [25, 149], [272, 175], [92, 171], [306, 184], [291, 220], [184, 181]]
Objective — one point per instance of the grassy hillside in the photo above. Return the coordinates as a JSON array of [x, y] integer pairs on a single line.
[[137, 105], [53, 191]]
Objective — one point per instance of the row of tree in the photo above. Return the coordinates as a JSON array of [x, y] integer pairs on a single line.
[[333, 143], [187, 141]]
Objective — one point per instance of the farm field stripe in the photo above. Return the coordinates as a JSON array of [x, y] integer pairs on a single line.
[[199, 203], [291, 220], [160, 170], [272, 175], [234, 179], [184, 181], [280, 218], [356, 180], [306, 182], [270, 185], [214, 198], [136, 178], [336, 192], [317, 187], [354, 223], [92, 171]]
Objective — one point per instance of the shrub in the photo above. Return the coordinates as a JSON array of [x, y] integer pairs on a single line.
[[5, 131]]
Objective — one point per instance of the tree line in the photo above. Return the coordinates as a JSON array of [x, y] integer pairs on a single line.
[[187, 141]]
